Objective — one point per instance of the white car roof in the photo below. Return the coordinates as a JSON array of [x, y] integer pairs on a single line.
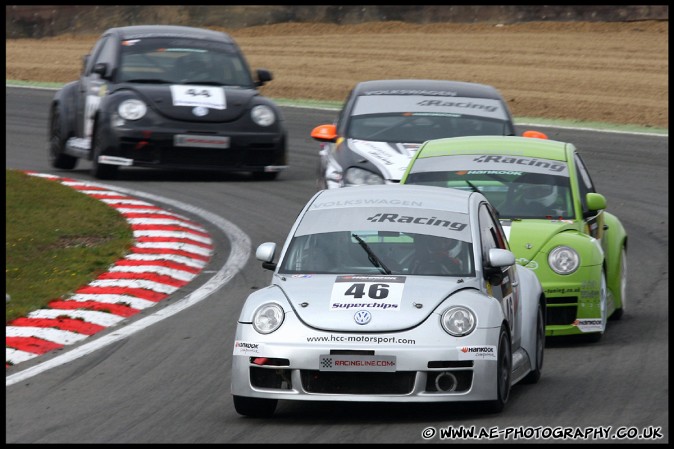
[[398, 195]]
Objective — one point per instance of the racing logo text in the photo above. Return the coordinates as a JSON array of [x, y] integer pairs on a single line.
[[432, 221], [521, 161]]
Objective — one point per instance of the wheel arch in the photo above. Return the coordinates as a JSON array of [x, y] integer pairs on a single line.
[[531, 301], [65, 101], [615, 240]]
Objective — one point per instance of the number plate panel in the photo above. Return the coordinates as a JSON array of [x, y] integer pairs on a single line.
[[186, 140], [330, 362]]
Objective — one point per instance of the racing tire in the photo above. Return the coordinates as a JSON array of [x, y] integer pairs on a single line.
[[504, 367], [57, 158], [535, 374], [596, 336], [255, 407], [618, 313], [100, 171]]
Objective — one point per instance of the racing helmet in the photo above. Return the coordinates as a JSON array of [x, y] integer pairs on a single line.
[[195, 67], [543, 194], [453, 248], [440, 246]]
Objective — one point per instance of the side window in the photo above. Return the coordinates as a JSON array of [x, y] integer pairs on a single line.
[[498, 230], [93, 55], [585, 185], [491, 233], [104, 51], [342, 113], [583, 174], [108, 52]]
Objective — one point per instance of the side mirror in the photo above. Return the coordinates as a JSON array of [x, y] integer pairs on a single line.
[[325, 133], [101, 68], [534, 134], [595, 201], [263, 77], [498, 258], [265, 253], [85, 62]]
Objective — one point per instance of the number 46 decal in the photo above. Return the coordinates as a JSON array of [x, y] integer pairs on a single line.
[[374, 292]]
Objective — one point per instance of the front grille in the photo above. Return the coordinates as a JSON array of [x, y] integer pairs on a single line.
[[561, 311], [401, 382], [214, 157], [270, 378], [450, 364], [164, 153]]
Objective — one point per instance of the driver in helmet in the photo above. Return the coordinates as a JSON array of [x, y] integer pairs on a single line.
[[539, 195], [437, 256], [537, 200]]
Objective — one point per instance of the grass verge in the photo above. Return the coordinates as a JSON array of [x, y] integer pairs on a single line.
[[57, 240]]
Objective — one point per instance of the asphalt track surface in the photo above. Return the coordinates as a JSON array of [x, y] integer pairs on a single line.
[[169, 382]]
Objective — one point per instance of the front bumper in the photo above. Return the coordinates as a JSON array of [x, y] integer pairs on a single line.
[[217, 150], [573, 301], [287, 366]]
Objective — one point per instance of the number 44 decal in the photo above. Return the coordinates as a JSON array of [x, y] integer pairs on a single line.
[[198, 93]]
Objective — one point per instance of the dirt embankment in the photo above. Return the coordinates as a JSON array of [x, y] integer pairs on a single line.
[[587, 71]]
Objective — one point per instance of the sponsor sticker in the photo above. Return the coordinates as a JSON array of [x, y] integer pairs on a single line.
[[247, 348], [356, 363], [115, 160], [186, 140], [588, 324], [477, 352]]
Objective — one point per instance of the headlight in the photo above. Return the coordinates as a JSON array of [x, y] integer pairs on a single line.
[[267, 318], [358, 176], [563, 260], [458, 321], [263, 115], [132, 109]]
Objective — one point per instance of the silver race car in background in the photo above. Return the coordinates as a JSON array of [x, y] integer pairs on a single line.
[[394, 293], [383, 123]]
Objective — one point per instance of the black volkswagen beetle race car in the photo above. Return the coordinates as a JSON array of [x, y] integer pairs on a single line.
[[167, 97]]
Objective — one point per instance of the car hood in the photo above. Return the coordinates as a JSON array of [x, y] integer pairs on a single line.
[[528, 237], [389, 157], [410, 300], [160, 98]]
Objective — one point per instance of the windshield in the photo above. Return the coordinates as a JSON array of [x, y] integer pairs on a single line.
[[418, 118], [380, 252], [182, 61], [418, 128], [538, 190]]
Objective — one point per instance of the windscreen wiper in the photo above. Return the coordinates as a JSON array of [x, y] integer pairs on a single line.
[[370, 255], [472, 186]]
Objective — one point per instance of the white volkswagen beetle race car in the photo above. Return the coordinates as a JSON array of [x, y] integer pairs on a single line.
[[397, 293]]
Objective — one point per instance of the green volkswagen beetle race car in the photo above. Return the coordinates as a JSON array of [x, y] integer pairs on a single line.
[[555, 220]]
